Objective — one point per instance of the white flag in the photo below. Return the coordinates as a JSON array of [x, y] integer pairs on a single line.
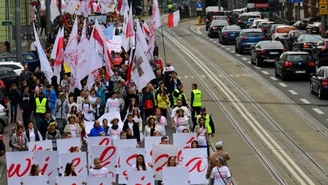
[[141, 39], [155, 23], [142, 72], [44, 63], [72, 6], [70, 54], [54, 11]]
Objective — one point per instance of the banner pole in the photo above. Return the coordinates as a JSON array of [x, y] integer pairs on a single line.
[[163, 44]]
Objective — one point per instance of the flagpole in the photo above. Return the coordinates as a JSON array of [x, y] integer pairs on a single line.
[[163, 44]]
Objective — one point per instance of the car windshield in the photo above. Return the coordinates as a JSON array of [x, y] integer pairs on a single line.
[[8, 59], [254, 34], [298, 58], [272, 45], [219, 23], [316, 24], [312, 38], [28, 57], [246, 17], [265, 25], [232, 28]]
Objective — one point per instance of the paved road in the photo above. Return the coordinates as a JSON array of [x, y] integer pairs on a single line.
[[267, 131]]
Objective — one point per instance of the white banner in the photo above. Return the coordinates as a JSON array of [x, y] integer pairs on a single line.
[[161, 154], [48, 162], [140, 177], [98, 181], [149, 142], [111, 115], [18, 165], [183, 141], [98, 141], [125, 143], [64, 145], [108, 158], [195, 159], [175, 176], [31, 180], [79, 160], [40, 145], [127, 159], [76, 180], [113, 46]]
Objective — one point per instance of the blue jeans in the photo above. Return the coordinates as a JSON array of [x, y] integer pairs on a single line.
[[38, 119], [13, 112]]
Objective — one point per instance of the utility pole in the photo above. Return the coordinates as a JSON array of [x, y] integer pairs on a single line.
[[323, 5], [48, 29], [18, 30]]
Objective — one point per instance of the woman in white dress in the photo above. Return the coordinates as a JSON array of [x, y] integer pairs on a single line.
[[180, 121]]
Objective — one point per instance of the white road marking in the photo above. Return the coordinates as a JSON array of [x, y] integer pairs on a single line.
[[305, 101], [227, 48], [265, 72], [238, 55], [198, 30], [317, 110], [215, 41], [293, 92], [223, 46], [283, 85], [273, 78], [249, 62], [257, 67], [232, 51], [244, 58], [211, 39]]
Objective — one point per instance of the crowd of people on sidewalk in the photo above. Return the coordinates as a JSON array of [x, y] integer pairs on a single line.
[[52, 111]]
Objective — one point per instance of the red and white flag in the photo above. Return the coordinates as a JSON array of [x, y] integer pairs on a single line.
[[70, 53], [44, 63], [57, 54], [173, 19], [108, 58], [155, 23], [141, 40], [129, 31], [54, 10], [145, 28], [97, 38]]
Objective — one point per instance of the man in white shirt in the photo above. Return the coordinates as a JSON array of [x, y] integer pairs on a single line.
[[112, 104]]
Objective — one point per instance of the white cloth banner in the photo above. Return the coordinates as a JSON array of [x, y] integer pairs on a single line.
[[117, 38], [18, 165], [175, 176], [108, 158], [88, 125], [183, 141], [140, 177], [79, 160], [33, 180], [48, 162], [98, 141], [161, 153], [113, 46], [149, 142], [39, 145], [125, 143], [64, 145], [127, 159], [195, 159], [111, 115], [98, 181], [70, 180]]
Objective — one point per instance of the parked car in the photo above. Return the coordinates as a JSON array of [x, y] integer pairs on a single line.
[[215, 27], [250, 22], [243, 18], [229, 33], [256, 22], [294, 63], [297, 23], [319, 82], [8, 76], [4, 119], [28, 58], [266, 52], [272, 30], [209, 17], [247, 39], [308, 28], [305, 22], [320, 53], [305, 42], [264, 26], [15, 66], [281, 32], [316, 28], [292, 37]]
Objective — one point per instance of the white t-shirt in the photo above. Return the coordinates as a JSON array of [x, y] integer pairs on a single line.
[[161, 124], [114, 134], [134, 168], [112, 105], [202, 137], [186, 111], [33, 46], [72, 129], [225, 173], [102, 172]]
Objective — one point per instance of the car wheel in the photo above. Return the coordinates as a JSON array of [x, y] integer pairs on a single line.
[[320, 95], [2, 126], [311, 88], [257, 62], [283, 76]]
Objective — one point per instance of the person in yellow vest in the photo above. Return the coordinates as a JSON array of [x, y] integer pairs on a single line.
[[195, 103], [208, 121], [179, 94], [41, 107]]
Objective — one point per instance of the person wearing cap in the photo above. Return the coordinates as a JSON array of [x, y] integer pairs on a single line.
[[208, 121], [178, 94], [212, 158], [195, 102], [51, 96], [112, 104]]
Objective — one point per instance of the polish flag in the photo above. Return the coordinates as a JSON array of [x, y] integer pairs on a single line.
[[57, 54], [128, 75], [173, 19], [145, 28], [97, 38], [108, 59], [129, 32]]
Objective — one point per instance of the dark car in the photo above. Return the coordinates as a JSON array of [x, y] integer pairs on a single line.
[[229, 33], [305, 42], [320, 53], [305, 22], [216, 26], [266, 52], [8, 76], [319, 82], [316, 28], [292, 37], [294, 64], [308, 28], [247, 39], [243, 19], [221, 17], [28, 58], [209, 17], [264, 26], [297, 23]]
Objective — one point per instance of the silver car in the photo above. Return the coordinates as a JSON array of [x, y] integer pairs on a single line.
[[3, 118]]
